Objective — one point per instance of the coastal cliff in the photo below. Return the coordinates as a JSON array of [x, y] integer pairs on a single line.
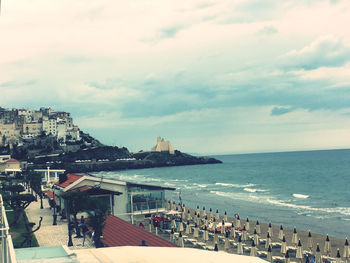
[[108, 158]]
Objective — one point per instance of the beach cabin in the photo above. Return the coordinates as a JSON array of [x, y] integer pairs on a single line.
[[125, 200]]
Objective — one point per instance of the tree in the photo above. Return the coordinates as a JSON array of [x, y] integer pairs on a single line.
[[77, 202], [81, 201], [97, 218], [34, 180], [17, 201]]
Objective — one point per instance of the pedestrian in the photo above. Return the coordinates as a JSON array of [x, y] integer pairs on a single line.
[[85, 231], [82, 221]]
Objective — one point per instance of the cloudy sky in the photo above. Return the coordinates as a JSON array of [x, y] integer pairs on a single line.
[[212, 76]]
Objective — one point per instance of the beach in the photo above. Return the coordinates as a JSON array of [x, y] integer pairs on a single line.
[[288, 232]]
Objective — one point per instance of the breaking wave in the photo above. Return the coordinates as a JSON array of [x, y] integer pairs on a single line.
[[300, 196]]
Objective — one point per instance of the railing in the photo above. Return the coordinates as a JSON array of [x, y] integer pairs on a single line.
[[7, 254], [148, 206]]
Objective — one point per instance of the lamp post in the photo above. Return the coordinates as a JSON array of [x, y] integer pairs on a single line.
[[41, 199], [54, 223], [70, 241]]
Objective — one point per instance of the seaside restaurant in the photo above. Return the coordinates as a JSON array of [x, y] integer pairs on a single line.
[[125, 200]]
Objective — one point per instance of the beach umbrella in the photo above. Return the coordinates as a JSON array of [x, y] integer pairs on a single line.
[[216, 238], [210, 213], [346, 250], [196, 231], [318, 255], [256, 238], [232, 233], [223, 228], [180, 241], [183, 214], [239, 246], [189, 215], [280, 234], [197, 210], [198, 219], [225, 217], [188, 228], [283, 246], [268, 240], [338, 259], [206, 221], [286, 258], [172, 236], [247, 225], [258, 228], [244, 234], [253, 250], [181, 226], [150, 226], [213, 225], [217, 215], [238, 222], [205, 234], [299, 254], [269, 254], [173, 223], [204, 214], [309, 241], [269, 230], [227, 242], [295, 237], [327, 246], [168, 205], [216, 248]]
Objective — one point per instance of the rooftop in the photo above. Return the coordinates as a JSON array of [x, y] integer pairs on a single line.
[[12, 160], [71, 178], [118, 232]]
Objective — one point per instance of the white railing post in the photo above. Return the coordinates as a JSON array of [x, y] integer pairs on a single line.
[[7, 254]]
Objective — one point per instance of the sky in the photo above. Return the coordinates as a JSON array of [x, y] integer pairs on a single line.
[[211, 76]]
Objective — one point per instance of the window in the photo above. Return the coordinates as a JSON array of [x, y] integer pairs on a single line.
[[147, 201]]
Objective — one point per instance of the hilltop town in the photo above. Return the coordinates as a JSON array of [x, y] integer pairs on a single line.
[[19, 125], [46, 137]]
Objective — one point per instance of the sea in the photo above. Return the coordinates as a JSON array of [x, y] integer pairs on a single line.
[[309, 190]]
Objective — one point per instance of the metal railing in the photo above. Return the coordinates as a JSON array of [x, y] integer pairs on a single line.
[[7, 252], [148, 206]]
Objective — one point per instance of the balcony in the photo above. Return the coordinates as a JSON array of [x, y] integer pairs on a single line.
[[7, 252]]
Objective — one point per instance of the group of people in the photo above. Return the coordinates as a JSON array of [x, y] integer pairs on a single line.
[[85, 230]]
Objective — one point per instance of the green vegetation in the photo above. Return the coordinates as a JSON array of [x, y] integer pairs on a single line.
[[17, 233]]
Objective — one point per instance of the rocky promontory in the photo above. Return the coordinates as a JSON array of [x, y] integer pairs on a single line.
[[109, 158]]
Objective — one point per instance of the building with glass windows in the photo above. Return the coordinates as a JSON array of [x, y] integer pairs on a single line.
[[125, 200]]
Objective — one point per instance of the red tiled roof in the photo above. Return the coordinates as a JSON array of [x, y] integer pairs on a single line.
[[71, 178], [12, 160], [118, 232]]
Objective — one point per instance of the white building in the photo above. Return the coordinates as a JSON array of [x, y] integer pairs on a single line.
[[163, 146], [50, 126], [125, 199]]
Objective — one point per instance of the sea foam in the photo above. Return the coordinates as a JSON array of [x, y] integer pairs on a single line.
[[300, 196], [235, 185]]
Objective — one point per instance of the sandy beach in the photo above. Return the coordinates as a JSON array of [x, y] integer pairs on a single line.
[[288, 232]]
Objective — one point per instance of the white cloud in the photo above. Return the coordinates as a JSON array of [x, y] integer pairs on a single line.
[[326, 51]]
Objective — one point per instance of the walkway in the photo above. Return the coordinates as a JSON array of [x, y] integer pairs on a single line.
[[49, 235]]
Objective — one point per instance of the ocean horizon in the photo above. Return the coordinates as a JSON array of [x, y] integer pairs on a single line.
[[303, 189]]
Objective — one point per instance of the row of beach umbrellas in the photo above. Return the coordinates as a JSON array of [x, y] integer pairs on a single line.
[[202, 218]]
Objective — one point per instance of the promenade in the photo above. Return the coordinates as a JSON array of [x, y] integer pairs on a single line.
[[48, 234]]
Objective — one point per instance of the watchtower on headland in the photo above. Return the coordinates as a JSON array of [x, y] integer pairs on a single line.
[[163, 146]]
